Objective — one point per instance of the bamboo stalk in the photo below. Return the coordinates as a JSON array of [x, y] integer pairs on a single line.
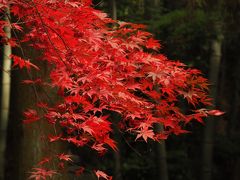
[[208, 141], [161, 156], [5, 94]]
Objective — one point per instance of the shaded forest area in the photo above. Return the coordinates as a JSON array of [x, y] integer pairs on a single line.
[[203, 34]]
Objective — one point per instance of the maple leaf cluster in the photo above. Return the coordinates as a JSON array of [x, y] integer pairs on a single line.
[[41, 174], [99, 66]]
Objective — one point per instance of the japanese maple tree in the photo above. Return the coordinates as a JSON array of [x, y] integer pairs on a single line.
[[98, 66]]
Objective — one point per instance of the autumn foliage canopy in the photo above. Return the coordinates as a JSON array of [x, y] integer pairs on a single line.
[[100, 66]]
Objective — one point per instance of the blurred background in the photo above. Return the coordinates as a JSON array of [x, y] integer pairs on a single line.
[[204, 34]]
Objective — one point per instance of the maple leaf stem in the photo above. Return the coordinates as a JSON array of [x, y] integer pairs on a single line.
[[140, 155]]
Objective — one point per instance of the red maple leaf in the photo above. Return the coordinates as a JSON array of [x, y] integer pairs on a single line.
[[65, 157], [44, 160], [79, 171], [41, 173], [99, 148], [153, 44], [215, 113], [145, 133], [18, 61], [29, 81], [110, 142], [101, 174], [30, 116], [54, 138]]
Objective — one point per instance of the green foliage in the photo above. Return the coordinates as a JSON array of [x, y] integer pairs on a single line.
[[185, 35]]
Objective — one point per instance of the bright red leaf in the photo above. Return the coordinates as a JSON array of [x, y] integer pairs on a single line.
[[101, 174], [65, 157], [18, 61], [215, 113]]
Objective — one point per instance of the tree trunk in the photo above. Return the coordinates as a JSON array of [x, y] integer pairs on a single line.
[[113, 9], [157, 3], [236, 170], [117, 137], [161, 157], [25, 143], [208, 141], [117, 155], [5, 93], [234, 127], [160, 148]]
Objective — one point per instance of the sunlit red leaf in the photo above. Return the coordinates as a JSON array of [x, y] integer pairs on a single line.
[[65, 157], [215, 113], [101, 174], [145, 134], [99, 147]]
